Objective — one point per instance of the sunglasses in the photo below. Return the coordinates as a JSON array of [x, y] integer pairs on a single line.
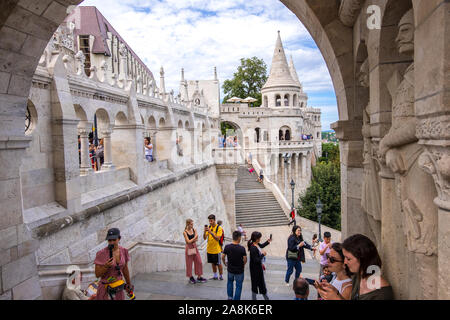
[[332, 260]]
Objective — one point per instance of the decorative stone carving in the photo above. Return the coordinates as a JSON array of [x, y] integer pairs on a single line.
[[438, 166], [80, 63], [349, 11], [401, 152], [371, 195]]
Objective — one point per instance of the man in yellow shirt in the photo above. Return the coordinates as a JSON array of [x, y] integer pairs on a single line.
[[214, 233]]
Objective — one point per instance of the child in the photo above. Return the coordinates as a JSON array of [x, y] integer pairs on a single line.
[[315, 244], [326, 275]]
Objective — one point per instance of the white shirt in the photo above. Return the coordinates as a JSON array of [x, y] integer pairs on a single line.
[[339, 284]]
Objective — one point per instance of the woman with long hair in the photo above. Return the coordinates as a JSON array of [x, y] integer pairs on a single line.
[[342, 280], [191, 253], [256, 266], [362, 259], [295, 253]]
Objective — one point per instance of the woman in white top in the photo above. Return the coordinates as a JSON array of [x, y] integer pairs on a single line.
[[342, 277]]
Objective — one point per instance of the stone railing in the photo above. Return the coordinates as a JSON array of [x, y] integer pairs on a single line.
[[294, 143], [228, 155]]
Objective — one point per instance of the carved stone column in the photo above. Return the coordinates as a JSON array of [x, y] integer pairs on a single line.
[[107, 150], [85, 167], [227, 174], [303, 161], [353, 218], [436, 162], [154, 142]]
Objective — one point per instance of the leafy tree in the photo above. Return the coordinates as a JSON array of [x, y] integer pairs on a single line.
[[330, 153], [326, 185], [250, 77]]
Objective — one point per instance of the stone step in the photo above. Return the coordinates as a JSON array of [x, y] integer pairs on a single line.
[[256, 206], [262, 218], [260, 213]]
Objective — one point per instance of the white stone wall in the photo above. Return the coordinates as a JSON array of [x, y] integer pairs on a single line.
[[156, 217]]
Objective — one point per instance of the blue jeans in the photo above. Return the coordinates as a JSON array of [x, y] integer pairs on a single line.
[[149, 158], [291, 263], [239, 278]]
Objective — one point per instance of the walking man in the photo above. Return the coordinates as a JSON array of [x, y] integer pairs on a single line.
[[213, 249], [237, 258]]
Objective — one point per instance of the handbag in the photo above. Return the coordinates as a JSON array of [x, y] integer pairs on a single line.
[[292, 254], [191, 251]]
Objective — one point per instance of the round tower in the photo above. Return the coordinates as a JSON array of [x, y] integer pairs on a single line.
[[283, 88]]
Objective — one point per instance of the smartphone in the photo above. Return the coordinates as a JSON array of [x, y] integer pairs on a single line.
[[270, 236], [318, 285], [310, 281]]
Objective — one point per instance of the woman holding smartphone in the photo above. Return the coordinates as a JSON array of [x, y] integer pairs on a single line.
[[295, 253], [256, 266]]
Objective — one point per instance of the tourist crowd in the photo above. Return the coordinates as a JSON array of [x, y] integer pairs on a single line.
[[350, 270]]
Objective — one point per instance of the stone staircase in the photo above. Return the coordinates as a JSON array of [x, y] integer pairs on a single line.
[[255, 205]]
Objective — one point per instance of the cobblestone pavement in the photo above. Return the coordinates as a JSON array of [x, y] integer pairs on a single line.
[[174, 285]]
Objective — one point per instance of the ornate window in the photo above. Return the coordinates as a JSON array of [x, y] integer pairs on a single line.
[[278, 100]]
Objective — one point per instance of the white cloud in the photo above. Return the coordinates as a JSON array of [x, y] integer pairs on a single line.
[[201, 34]]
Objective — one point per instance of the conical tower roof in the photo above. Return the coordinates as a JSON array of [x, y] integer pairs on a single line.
[[293, 72], [280, 74]]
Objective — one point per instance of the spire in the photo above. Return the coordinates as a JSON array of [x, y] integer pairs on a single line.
[[293, 72], [279, 71], [183, 87], [215, 73], [162, 85]]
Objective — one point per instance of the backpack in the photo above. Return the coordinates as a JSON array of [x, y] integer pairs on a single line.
[[222, 237]]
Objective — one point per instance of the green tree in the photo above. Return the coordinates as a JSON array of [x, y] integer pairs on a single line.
[[326, 185], [250, 77], [330, 153]]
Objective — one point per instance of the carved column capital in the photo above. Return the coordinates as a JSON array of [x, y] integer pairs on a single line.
[[436, 162]]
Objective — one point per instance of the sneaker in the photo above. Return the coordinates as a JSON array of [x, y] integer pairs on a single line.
[[287, 284], [220, 278], [214, 278], [202, 280], [192, 280]]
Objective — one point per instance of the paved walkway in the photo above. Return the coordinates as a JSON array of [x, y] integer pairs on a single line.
[[174, 285]]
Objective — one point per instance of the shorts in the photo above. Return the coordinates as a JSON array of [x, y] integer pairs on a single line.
[[214, 258], [149, 158]]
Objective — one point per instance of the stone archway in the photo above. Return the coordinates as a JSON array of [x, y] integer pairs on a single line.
[[27, 26]]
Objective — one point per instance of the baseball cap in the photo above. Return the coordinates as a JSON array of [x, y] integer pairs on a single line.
[[112, 234]]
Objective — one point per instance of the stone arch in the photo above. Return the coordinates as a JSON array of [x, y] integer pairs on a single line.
[[152, 123], [121, 119], [295, 100], [103, 119], [31, 119], [286, 100], [277, 100], [180, 124], [237, 130], [266, 102], [161, 122], [187, 124]]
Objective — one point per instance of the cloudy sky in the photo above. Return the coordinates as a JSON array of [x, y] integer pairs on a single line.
[[198, 35]]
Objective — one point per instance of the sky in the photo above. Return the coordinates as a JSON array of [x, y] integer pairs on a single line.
[[198, 35]]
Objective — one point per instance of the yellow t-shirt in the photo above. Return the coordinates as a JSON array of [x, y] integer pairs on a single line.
[[214, 245]]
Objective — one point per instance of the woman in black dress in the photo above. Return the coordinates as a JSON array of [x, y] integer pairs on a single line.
[[256, 265]]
